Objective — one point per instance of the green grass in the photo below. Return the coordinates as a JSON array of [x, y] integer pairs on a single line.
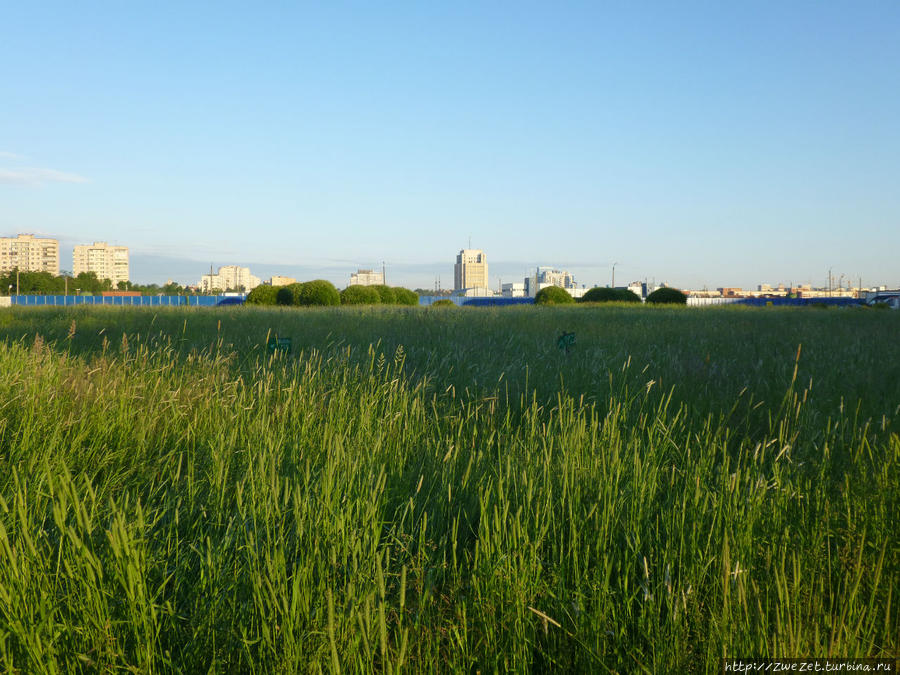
[[424, 490]]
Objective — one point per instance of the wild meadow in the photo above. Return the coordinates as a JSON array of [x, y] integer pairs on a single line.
[[444, 490]]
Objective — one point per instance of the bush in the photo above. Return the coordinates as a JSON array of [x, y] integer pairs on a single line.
[[667, 296], [318, 293], [610, 295], [287, 295], [386, 293], [443, 303], [360, 295], [405, 296], [262, 295], [553, 295]]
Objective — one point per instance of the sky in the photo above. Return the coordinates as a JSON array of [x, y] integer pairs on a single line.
[[703, 144]]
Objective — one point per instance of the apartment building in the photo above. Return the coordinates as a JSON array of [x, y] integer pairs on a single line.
[[229, 277], [279, 280], [471, 270], [107, 262], [28, 253], [367, 278]]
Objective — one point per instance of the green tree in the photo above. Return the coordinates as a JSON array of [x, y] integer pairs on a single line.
[[263, 295], [360, 295], [405, 296], [553, 295], [318, 293], [667, 296], [89, 283], [288, 295], [386, 293], [601, 294], [173, 289]]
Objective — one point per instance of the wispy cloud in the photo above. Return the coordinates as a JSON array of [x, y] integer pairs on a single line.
[[10, 155], [35, 176]]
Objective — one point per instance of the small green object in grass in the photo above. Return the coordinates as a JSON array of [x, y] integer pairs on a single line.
[[277, 344], [565, 341]]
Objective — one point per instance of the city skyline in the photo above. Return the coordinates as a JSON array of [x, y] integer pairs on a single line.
[[704, 146], [148, 269]]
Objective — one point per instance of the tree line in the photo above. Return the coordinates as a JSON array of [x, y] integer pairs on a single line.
[[44, 283], [323, 293], [554, 295]]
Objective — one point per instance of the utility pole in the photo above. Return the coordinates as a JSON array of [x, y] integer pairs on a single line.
[[383, 277], [614, 274], [829, 282], [17, 282]]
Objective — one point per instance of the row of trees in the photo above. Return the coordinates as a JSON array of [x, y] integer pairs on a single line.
[[44, 283], [323, 293], [554, 295]]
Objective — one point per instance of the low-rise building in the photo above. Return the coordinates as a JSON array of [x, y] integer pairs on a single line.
[[514, 290], [731, 292], [278, 280], [367, 278], [477, 292]]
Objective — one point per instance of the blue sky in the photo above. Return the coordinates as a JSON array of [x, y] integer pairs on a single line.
[[701, 143]]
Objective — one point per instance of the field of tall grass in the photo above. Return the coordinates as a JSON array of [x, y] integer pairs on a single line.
[[444, 490]]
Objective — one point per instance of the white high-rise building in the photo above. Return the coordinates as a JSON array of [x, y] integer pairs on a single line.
[[229, 278], [471, 270], [28, 253], [107, 262]]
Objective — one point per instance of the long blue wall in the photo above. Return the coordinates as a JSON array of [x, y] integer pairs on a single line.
[[127, 300], [755, 302]]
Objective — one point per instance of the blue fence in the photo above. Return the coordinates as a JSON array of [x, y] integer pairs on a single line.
[[800, 302], [221, 300], [495, 302], [128, 300], [461, 301]]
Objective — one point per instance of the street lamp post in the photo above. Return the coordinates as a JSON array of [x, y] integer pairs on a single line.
[[614, 274]]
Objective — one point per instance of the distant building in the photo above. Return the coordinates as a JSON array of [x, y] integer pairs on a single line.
[[731, 292], [513, 290], [107, 262], [230, 277], [475, 292], [548, 276], [278, 280], [471, 270], [367, 278], [28, 253], [639, 289]]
